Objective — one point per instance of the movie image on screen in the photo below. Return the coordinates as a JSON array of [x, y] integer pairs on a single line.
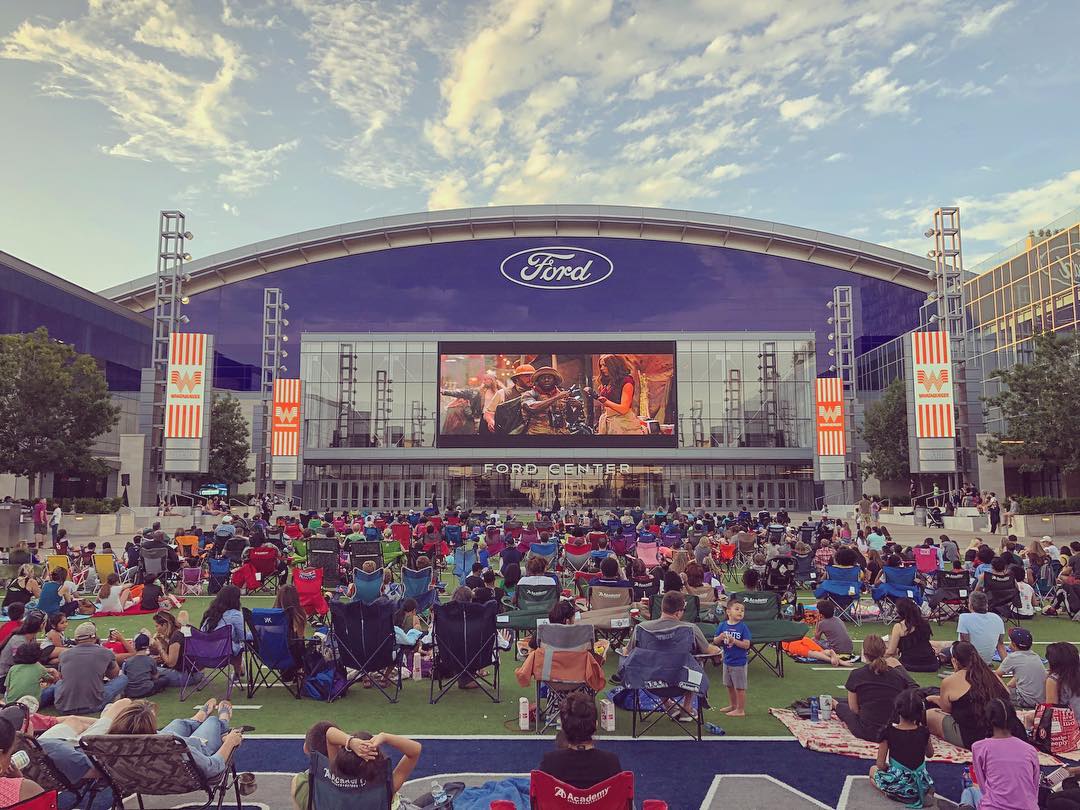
[[610, 394]]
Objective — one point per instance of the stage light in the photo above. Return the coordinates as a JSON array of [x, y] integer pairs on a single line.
[[284, 353], [282, 368], [184, 319], [930, 254], [186, 277], [284, 322], [829, 304], [285, 307], [832, 352], [187, 235], [185, 257], [185, 300], [829, 320], [933, 319], [929, 233], [832, 336], [284, 338]]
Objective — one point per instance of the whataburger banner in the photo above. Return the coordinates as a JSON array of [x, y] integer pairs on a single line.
[[285, 431], [831, 439], [933, 385], [187, 414]]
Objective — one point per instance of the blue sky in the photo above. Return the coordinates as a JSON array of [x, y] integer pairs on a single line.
[[260, 118]]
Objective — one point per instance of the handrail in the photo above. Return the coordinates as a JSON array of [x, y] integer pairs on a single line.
[[190, 496]]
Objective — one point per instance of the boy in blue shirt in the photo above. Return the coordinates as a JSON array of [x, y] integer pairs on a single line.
[[734, 637]]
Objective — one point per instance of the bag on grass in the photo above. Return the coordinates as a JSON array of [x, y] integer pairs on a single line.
[[323, 678], [1055, 730]]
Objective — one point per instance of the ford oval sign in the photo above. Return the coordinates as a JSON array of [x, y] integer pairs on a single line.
[[557, 268]]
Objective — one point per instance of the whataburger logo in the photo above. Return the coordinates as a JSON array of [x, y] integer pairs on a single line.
[[933, 382], [186, 381], [286, 415], [829, 414]]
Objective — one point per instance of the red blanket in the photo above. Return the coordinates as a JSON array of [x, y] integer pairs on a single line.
[[134, 610]]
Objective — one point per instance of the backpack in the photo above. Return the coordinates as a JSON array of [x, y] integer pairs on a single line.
[[322, 678]]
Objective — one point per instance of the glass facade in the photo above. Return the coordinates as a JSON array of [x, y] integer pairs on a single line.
[[1035, 291], [722, 487], [118, 340]]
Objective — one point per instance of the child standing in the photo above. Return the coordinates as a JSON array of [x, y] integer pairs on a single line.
[[141, 670], [734, 637], [900, 772]]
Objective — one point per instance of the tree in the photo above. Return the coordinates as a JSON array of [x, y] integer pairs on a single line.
[[1037, 402], [230, 442], [54, 402], [885, 432]]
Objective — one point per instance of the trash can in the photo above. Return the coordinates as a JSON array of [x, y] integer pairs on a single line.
[[920, 515]]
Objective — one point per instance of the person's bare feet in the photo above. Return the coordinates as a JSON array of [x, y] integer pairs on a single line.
[[726, 709], [736, 713]]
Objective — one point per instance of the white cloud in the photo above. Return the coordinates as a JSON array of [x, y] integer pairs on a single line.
[[230, 209], [968, 89], [903, 52], [259, 16], [448, 192], [810, 112], [1007, 216], [727, 171], [976, 24], [836, 157], [881, 93], [168, 112]]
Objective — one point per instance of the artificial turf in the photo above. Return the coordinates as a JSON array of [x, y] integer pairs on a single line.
[[470, 712]]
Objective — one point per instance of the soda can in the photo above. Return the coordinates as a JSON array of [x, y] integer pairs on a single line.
[[826, 703], [523, 714], [607, 715]]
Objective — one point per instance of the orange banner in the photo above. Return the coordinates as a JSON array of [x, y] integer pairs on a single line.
[[185, 395], [831, 440], [285, 424], [932, 368]]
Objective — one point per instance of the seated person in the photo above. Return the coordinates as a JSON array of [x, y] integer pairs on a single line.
[[57, 594], [830, 637], [141, 670], [872, 691], [225, 611], [577, 761], [985, 630], [910, 639], [206, 734], [536, 573], [83, 668], [26, 674], [114, 597], [475, 579], [958, 718], [154, 596], [695, 583], [610, 574], [13, 789], [407, 628], [486, 591], [356, 756]]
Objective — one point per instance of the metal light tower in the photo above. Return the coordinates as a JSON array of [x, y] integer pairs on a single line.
[[948, 276], [168, 299], [273, 352]]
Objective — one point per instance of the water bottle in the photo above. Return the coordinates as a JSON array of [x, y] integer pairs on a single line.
[[438, 795], [815, 709], [714, 729]]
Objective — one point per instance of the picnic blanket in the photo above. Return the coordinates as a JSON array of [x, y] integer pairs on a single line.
[[833, 737], [514, 789], [134, 610]]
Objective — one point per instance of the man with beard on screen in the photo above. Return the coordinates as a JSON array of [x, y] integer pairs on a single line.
[[544, 407], [521, 383]]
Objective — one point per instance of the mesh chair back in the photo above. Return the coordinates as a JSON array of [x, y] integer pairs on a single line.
[[364, 634], [465, 636], [323, 554], [609, 596], [360, 551], [154, 560], [760, 606], [368, 587], [269, 628], [328, 791], [154, 764], [566, 637]]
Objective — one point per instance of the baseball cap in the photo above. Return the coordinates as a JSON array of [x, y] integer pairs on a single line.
[[85, 631], [1046, 539], [1020, 638], [227, 519], [142, 641]]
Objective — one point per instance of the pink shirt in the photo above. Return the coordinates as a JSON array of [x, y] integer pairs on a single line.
[[1007, 770]]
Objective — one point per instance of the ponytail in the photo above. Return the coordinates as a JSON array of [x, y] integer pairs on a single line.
[[998, 715], [874, 653]]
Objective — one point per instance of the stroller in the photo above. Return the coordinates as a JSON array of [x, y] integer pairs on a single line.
[[934, 518]]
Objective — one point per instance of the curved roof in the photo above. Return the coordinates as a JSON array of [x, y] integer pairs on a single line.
[[626, 222]]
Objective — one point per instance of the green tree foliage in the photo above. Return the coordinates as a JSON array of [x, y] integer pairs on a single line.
[[230, 442], [1038, 402], [885, 431], [54, 403]]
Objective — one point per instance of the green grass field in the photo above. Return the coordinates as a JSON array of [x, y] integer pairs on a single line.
[[463, 712]]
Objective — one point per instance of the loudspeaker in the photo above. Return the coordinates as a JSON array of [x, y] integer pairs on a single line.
[[125, 479]]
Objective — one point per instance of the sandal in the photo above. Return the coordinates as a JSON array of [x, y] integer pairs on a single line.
[[208, 707], [225, 708]]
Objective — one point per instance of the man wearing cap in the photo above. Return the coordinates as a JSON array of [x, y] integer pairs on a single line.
[[83, 670], [1028, 686], [521, 382], [543, 407]]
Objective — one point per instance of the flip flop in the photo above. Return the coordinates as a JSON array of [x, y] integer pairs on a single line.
[[227, 710], [207, 709]]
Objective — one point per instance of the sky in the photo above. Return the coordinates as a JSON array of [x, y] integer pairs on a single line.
[[261, 118]]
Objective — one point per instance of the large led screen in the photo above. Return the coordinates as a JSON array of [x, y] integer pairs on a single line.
[[567, 394]]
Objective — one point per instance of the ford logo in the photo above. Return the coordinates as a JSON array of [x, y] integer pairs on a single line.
[[556, 268]]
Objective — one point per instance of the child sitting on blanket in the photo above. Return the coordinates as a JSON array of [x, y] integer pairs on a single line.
[[831, 634], [900, 772]]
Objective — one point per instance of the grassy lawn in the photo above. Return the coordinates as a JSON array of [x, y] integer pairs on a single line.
[[471, 713]]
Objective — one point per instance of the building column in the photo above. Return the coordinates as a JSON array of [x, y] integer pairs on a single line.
[[991, 473]]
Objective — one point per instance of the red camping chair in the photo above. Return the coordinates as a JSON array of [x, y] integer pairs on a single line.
[[648, 553], [308, 582], [265, 559], [548, 793], [43, 801], [402, 533]]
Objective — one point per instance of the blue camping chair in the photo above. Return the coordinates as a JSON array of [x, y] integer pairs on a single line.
[[219, 569], [452, 534], [328, 791], [614, 527], [464, 558], [843, 588], [417, 585], [368, 587], [899, 583], [371, 534], [659, 670], [546, 550], [270, 657]]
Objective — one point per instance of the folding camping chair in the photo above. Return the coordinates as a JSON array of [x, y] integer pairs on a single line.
[[362, 636], [645, 590], [950, 598], [43, 801], [298, 556], [527, 537], [155, 765], [648, 553], [191, 581], [104, 566], [615, 793], [233, 549], [464, 559], [572, 644], [266, 561], [494, 542], [323, 554], [401, 533], [747, 545], [362, 551], [899, 583], [367, 587], [534, 602], [418, 585], [805, 572], [188, 547], [218, 569], [575, 557], [308, 582], [51, 777], [780, 579], [54, 561], [393, 555], [609, 612], [207, 650], [466, 642], [842, 587], [153, 562], [1002, 596], [452, 535], [268, 652], [546, 551], [328, 791], [659, 671], [768, 631], [723, 558], [926, 562]]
